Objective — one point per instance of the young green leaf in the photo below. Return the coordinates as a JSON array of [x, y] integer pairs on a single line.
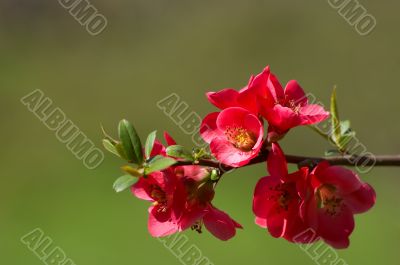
[[107, 136], [333, 152], [345, 127], [121, 151], [130, 142], [345, 140], [179, 151], [159, 163], [335, 120], [150, 143], [124, 182], [200, 153], [109, 146], [133, 171]]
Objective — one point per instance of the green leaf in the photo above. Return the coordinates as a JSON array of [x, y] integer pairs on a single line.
[[200, 154], [159, 163], [150, 143], [107, 136], [109, 146], [133, 171], [124, 182], [179, 151], [345, 127], [336, 131], [346, 139], [130, 142], [121, 151], [333, 152]]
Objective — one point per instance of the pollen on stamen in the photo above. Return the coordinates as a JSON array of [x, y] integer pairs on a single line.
[[329, 200], [240, 138], [295, 107]]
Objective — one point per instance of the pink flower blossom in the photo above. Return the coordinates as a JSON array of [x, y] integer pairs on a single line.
[[276, 201], [245, 98], [181, 199], [333, 196], [168, 196], [289, 107], [235, 135]]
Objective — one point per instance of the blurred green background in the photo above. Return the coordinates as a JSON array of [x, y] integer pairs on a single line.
[[150, 49]]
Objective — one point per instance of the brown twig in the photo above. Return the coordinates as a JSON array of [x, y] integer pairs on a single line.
[[345, 160]]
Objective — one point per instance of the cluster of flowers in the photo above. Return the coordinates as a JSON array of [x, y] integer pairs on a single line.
[[181, 197], [323, 198]]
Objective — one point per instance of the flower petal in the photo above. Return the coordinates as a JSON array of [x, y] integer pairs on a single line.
[[282, 118], [228, 154], [361, 200], [169, 139], [259, 82], [342, 178], [311, 114], [139, 189], [336, 229], [160, 229], [223, 99], [276, 224], [235, 117], [294, 92], [261, 222], [257, 87], [220, 224], [276, 162], [158, 149], [275, 89], [197, 173], [261, 203], [193, 214], [208, 128]]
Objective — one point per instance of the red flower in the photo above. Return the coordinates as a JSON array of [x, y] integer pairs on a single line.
[[168, 196], [245, 98], [289, 107], [235, 135], [276, 201], [334, 195], [199, 207], [181, 199]]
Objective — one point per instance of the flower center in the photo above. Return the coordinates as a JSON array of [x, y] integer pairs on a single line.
[[282, 195], [240, 138], [328, 199], [284, 200], [295, 107], [158, 195]]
